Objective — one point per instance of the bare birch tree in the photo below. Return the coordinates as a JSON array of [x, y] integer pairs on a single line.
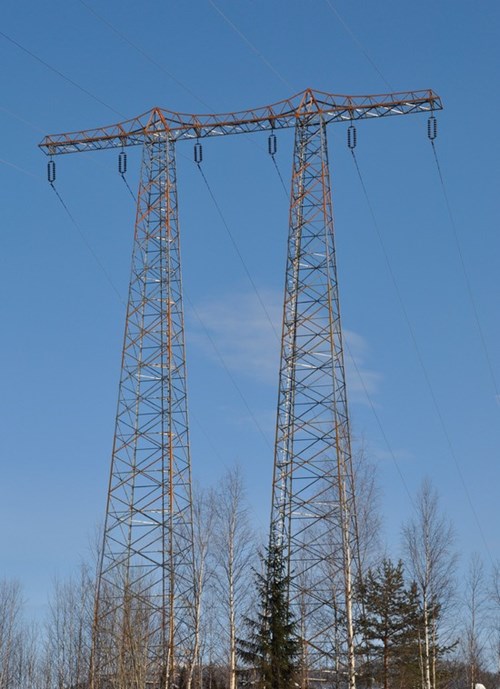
[[367, 546], [203, 520], [69, 630], [429, 542], [233, 552], [10, 615], [18, 647], [495, 598], [476, 606], [27, 672]]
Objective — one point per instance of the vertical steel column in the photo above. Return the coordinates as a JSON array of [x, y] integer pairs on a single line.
[[143, 620], [313, 512]]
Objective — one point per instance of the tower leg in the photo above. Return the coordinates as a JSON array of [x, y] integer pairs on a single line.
[[143, 618], [313, 494]]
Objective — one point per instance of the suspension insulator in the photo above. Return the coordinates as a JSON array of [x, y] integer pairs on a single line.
[[432, 127], [352, 137], [198, 153], [122, 162], [272, 144], [51, 171]]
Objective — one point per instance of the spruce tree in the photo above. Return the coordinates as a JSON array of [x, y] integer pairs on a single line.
[[271, 647], [389, 626]]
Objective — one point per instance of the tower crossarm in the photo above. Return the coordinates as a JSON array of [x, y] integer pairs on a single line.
[[157, 124]]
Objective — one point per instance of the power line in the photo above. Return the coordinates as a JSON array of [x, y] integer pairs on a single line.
[[122, 175], [144, 54], [115, 290], [157, 64], [211, 340], [377, 418], [458, 246], [379, 423], [279, 175], [426, 376], [466, 275], [250, 44], [22, 119], [60, 74], [209, 337], [358, 42], [88, 245], [19, 169], [238, 253], [110, 282], [198, 317], [228, 372]]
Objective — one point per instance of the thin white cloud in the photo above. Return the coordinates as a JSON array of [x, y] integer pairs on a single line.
[[245, 334], [236, 328], [387, 455], [362, 381]]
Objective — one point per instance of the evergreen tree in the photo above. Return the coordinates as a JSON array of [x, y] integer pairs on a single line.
[[390, 627], [271, 647]]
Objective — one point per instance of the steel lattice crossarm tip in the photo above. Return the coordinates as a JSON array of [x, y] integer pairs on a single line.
[[158, 121]]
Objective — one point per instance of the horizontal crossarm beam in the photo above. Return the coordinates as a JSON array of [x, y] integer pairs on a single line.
[[159, 124]]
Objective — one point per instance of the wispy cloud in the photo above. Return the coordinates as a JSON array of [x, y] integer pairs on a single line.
[[243, 331], [387, 455], [363, 382], [237, 329]]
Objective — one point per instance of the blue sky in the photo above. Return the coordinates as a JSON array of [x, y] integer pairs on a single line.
[[431, 372]]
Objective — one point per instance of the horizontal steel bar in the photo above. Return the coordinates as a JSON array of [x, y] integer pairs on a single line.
[[159, 124]]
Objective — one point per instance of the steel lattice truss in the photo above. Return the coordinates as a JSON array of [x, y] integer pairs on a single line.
[[313, 494], [144, 607], [330, 106], [144, 627]]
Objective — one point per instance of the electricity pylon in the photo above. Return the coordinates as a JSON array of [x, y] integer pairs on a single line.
[[144, 624]]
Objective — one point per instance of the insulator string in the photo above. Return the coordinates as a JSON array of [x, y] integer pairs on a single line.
[[272, 147], [122, 162], [198, 153], [51, 172], [352, 137]]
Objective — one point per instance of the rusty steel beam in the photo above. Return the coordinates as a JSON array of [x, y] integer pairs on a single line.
[[162, 123]]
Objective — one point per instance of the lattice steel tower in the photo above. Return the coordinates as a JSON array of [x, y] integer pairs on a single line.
[[144, 626]]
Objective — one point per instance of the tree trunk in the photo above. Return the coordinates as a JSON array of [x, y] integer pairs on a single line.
[[427, 663]]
